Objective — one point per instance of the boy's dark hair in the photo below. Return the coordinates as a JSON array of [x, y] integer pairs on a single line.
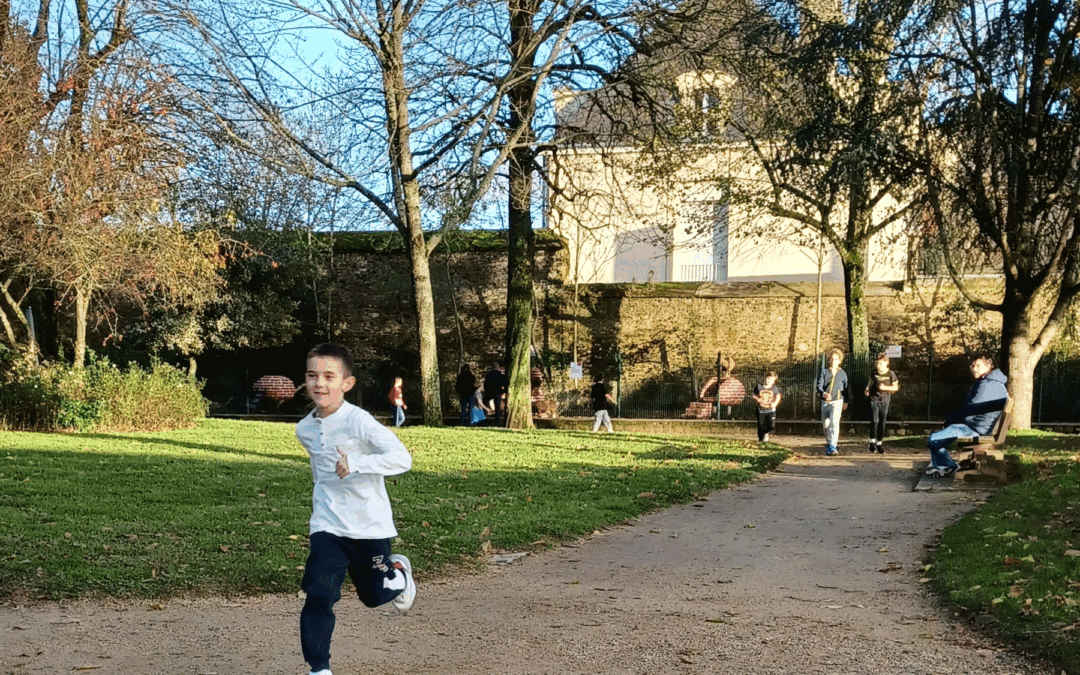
[[771, 373], [983, 356], [881, 357], [598, 378], [334, 351]]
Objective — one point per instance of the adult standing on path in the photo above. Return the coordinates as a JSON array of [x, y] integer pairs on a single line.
[[465, 386], [832, 388], [494, 388]]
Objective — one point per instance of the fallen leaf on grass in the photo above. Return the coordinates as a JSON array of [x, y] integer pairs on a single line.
[[1016, 591], [646, 495], [1012, 562], [1072, 553]]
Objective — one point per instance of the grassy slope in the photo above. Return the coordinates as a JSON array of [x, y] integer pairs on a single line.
[[223, 507], [1017, 558]]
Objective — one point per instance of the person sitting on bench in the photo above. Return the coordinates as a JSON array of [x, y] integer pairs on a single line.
[[974, 418]]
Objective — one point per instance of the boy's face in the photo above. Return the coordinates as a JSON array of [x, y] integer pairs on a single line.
[[834, 360], [980, 367], [327, 383], [883, 366], [769, 380]]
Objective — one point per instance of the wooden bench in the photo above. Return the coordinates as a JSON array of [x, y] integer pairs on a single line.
[[985, 455]]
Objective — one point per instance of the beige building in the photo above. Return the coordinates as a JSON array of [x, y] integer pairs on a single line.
[[621, 228], [621, 231]]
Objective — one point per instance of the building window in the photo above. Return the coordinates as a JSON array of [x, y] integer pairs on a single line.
[[700, 241]]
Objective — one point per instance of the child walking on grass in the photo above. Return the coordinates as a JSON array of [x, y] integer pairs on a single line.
[[351, 523], [882, 385]]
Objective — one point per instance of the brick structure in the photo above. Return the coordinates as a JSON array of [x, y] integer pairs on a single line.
[[274, 387]]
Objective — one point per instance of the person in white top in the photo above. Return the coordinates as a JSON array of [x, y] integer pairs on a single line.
[[351, 524]]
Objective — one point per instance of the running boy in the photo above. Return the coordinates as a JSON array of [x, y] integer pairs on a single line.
[[832, 387], [351, 522], [879, 389], [767, 396]]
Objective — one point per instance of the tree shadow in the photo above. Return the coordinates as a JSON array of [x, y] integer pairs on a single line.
[[190, 445]]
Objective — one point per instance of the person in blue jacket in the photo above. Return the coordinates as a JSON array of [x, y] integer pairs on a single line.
[[832, 388], [975, 417]]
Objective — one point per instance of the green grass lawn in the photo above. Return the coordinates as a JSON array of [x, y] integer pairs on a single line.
[[223, 508], [1017, 558]]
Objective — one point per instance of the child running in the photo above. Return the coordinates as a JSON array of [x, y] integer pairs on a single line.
[[882, 385], [351, 524], [767, 396]]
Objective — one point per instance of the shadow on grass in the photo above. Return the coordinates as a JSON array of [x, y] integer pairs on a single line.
[[299, 456]]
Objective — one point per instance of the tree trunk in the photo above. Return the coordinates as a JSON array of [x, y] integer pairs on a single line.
[[82, 308], [519, 294], [1019, 363], [854, 291], [420, 269], [520, 260], [407, 198]]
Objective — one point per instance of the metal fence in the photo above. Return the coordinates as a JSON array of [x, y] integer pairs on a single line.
[[929, 389]]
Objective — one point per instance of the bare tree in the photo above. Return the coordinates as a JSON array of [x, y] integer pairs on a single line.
[[1001, 151], [413, 110]]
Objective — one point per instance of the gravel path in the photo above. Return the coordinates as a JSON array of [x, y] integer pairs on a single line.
[[814, 568]]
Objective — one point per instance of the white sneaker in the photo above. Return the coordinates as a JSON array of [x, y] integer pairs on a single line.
[[324, 671], [766, 439], [405, 600]]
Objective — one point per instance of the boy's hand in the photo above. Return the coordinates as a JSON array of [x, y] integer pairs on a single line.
[[342, 468]]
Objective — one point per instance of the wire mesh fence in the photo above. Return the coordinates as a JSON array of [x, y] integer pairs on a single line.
[[929, 389]]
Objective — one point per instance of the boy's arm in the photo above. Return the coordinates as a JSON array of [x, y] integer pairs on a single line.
[[776, 399], [386, 456]]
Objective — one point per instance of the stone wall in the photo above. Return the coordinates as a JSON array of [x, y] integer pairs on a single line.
[[375, 314], [662, 330]]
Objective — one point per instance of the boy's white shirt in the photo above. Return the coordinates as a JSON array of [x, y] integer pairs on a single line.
[[356, 506]]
